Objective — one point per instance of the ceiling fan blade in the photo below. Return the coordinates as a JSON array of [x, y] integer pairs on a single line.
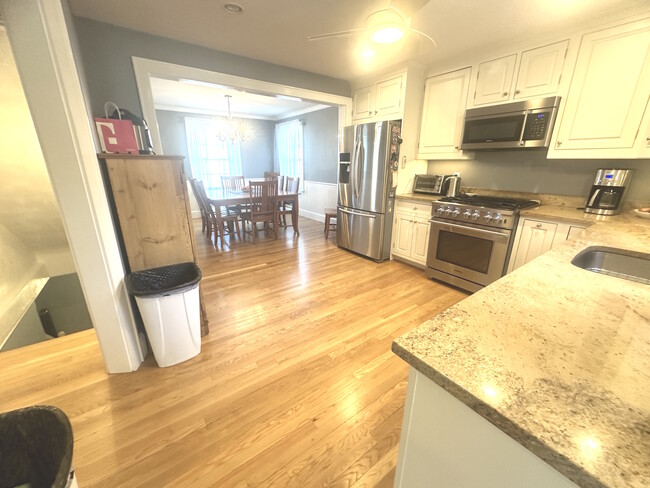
[[407, 8], [425, 35], [334, 34]]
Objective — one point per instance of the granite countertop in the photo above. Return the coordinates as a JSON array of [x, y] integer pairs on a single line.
[[555, 356]]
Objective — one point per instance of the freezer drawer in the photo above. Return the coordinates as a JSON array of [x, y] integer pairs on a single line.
[[365, 233]]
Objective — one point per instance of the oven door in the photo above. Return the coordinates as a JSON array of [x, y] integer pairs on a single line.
[[469, 252]]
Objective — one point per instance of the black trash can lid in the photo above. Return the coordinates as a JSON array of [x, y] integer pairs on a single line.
[[166, 280]]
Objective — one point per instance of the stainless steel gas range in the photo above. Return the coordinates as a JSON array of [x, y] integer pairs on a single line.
[[471, 238]]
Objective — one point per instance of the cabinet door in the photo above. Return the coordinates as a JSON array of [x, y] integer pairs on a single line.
[[388, 97], [420, 244], [609, 91], [363, 103], [403, 234], [536, 238], [494, 80], [445, 99], [540, 70], [150, 196]]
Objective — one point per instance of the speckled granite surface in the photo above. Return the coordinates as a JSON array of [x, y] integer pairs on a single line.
[[556, 357]]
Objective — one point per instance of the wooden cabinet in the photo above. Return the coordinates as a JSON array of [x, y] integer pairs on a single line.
[[605, 113], [151, 211], [494, 80], [381, 101], [411, 231], [536, 236], [540, 70], [538, 74], [445, 99]]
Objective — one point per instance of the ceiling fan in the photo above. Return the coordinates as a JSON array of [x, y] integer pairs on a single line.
[[383, 26]]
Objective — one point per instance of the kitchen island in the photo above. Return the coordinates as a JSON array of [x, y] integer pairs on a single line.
[[551, 356]]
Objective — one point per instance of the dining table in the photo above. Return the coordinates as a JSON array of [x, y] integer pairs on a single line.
[[220, 197]]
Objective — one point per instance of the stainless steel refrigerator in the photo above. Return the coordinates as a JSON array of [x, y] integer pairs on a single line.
[[369, 156]]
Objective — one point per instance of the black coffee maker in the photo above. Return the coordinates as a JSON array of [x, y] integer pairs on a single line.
[[607, 192]]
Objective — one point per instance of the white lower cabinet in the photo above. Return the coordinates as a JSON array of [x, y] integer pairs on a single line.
[[536, 236], [446, 444], [411, 232]]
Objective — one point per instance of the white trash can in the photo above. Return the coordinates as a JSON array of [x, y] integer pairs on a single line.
[[168, 300]]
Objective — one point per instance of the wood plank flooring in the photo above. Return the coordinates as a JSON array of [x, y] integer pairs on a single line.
[[295, 386]]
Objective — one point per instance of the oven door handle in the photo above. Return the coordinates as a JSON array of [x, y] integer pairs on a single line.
[[465, 228]]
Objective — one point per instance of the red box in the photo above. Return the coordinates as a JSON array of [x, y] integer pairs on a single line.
[[116, 136]]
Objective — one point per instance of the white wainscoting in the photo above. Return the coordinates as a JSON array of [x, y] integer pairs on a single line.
[[316, 196]]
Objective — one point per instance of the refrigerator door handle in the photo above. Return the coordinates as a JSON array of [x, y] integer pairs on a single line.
[[372, 216], [357, 152]]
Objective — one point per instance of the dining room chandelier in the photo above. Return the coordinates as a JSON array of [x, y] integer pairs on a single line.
[[233, 131]]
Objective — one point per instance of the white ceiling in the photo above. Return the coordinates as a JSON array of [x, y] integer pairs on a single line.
[[276, 31], [209, 99]]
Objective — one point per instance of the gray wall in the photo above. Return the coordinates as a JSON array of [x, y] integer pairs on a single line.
[[320, 134], [256, 153], [530, 171], [106, 52]]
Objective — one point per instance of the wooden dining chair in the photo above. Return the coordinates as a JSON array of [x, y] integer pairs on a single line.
[[271, 175], [230, 221], [262, 206], [199, 201], [233, 184], [292, 185]]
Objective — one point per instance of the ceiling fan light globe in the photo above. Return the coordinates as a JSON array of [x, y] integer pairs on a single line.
[[386, 34]]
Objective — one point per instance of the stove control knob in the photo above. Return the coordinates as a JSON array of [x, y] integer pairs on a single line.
[[487, 216], [439, 210], [467, 214], [475, 215], [497, 217], [448, 211], [456, 212]]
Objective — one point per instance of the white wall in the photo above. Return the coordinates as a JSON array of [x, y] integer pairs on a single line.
[[316, 197], [43, 52]]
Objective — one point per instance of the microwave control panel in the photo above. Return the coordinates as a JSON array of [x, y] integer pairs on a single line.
[[536, 126]]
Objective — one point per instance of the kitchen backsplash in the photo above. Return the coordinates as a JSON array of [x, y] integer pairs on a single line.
[[530, 171]]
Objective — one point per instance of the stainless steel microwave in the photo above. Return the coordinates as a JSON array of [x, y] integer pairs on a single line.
[[516, 125]]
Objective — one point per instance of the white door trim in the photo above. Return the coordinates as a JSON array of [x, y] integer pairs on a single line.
[[146, 68], [43, 52]]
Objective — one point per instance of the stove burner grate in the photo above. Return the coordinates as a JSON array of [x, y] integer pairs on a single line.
[[494, 202]]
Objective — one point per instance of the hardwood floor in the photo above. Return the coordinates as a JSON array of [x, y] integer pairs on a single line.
[[295, 385]]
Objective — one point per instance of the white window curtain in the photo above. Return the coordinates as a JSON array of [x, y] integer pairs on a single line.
[[210, 158], [289, 154]]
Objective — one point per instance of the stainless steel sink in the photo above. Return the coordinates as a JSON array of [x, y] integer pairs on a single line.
[[630, 265]]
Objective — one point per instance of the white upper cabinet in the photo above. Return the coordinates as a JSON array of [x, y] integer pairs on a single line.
[[605, 110], [381, 101], [494, 80], [445, 99], [540, 70], [363, 103]]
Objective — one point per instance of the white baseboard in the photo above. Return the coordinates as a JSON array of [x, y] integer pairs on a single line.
[[312, 215]]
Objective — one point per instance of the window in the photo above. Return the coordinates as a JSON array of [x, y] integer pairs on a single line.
[[289, 148], [210, 158]]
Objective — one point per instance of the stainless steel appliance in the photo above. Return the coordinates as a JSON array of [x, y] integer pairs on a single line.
[[453, 185], [471, 238], [368, 158], [431, 184], [607, 192], [516, 125]]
